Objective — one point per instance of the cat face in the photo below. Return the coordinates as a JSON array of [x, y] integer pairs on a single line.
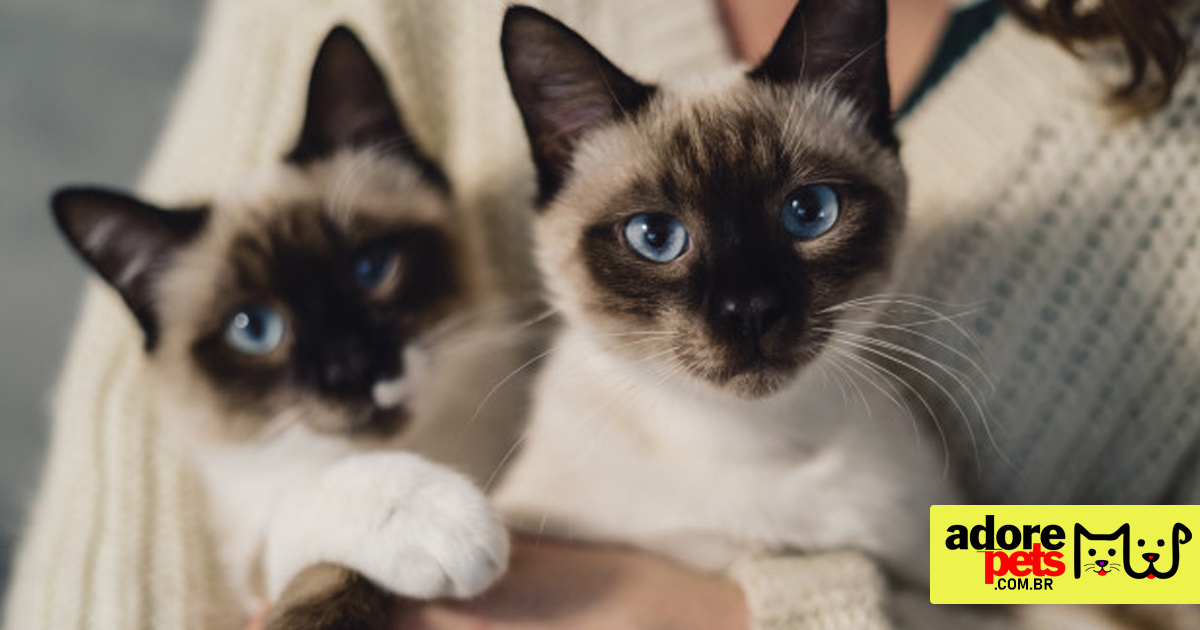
[[1107, 553], [1100, 554], [310, 293], [727, 218], [314, 302]]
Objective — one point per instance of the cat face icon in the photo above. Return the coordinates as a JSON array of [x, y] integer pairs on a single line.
[[1100, 554], [1155, 552]]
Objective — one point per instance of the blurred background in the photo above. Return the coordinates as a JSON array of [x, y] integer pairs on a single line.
[[84, 87]]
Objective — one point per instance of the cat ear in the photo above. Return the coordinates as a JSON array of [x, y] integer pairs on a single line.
[[842, 43], [564, 88], [349, 106], [128, 242]]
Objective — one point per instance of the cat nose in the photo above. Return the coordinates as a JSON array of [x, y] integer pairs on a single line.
[[1102, 562], [1150, 557], [345, 368], [754, 314], [343, 373]]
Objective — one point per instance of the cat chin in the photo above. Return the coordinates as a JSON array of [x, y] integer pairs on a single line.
[[750, 383], [743, 379], [750, 379], [364, 423], [758, 384]]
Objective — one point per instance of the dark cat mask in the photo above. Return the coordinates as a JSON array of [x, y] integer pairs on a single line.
[[306, 291], [731, 216]]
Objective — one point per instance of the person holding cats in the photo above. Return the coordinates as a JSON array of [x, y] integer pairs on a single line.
[[999, 154]]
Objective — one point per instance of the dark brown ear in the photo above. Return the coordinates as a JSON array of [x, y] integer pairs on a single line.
[[841, 43], [564, 88], [128, 242], [349, 106]]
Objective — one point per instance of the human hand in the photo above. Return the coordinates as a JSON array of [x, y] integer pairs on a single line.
[[552, 585]]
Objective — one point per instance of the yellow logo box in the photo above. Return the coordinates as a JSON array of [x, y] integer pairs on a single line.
[[1064, 554]]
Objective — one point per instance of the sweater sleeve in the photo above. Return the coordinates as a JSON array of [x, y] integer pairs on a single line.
[[828, 591]]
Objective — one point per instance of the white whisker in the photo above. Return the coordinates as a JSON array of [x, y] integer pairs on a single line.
[[913, 353], [892, 394], [504, 381], [512, 450], [937, 384], [920, 398], [908, 301]]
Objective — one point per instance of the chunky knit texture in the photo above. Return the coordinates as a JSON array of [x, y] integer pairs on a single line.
[[1076, 235], [819, 592], [1068, 243]]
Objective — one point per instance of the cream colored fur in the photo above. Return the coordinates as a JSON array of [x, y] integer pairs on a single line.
[[282, 496], [617, 453], [625, 447]]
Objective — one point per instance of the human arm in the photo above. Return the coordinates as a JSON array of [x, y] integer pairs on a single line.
[[554, 585]]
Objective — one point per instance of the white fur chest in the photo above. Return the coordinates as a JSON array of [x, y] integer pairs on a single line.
[[245, 484], [613, 456], [411, 526]]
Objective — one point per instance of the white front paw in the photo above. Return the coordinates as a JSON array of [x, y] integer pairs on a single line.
[[415, 528]]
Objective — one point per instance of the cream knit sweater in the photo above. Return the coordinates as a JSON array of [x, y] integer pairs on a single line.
[[1023, 196], [1075, 239]]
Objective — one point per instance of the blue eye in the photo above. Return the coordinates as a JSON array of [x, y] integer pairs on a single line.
[[811, 211], [374, 266], [255, 330], [656, 237]]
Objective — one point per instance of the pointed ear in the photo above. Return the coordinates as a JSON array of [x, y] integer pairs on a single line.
[[842, 43], [349, 106], [564, 88], [128, 242]]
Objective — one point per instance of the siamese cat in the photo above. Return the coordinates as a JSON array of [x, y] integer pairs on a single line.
[[300, 331], [702, 242]]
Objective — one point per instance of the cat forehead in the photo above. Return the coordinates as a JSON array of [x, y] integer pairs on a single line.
[[349, 189], [306, 213], [704, 133]]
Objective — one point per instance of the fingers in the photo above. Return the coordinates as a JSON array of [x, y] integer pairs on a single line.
[[257, 621]]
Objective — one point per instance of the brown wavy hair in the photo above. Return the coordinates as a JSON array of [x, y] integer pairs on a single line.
[[1155, 49]]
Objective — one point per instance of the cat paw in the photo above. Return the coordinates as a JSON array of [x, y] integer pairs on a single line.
[[413, 527]]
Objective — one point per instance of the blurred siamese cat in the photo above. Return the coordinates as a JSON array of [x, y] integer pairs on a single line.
[[701, 242], [301, 329]]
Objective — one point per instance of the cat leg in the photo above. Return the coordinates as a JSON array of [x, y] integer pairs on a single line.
[[410, 526]]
